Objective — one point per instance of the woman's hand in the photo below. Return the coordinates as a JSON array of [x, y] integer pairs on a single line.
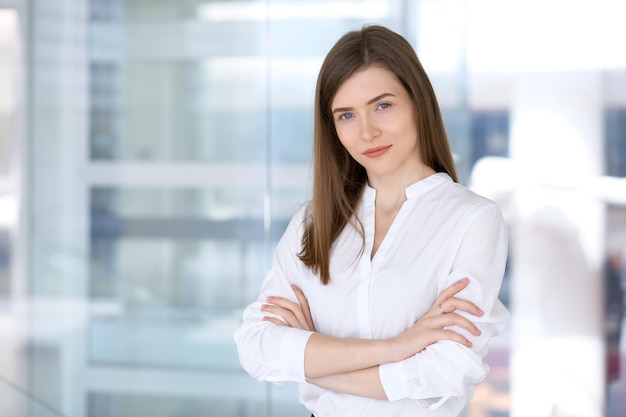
[[432, 326], [296, 315]]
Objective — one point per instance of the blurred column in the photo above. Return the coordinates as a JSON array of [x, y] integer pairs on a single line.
[[12, 334], [557, 363], [57, 210]]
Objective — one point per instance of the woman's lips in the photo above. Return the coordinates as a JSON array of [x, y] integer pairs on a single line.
[[377, 151]]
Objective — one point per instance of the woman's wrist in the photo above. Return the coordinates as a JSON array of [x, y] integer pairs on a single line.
[[325, 355], [394, 349]]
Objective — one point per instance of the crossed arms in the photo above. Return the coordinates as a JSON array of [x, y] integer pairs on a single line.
[[351, 365]]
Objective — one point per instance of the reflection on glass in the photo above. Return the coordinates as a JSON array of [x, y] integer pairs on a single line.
[[174, 267]]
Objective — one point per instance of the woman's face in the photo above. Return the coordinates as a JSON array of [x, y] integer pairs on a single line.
[[374, 119]]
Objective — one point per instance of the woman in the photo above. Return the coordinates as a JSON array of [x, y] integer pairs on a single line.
[[372, 303]]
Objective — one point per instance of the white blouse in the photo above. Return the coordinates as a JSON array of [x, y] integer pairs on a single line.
[[442, 233]]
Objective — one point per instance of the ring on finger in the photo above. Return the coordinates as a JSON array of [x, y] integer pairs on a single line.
[[441, 309]]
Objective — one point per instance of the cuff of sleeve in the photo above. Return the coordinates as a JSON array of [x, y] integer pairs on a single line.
[[393, 380], [292, 353], [400, 383], [431, 377]]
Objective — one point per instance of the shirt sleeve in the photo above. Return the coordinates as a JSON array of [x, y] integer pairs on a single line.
[[447, 369], [266, 351]]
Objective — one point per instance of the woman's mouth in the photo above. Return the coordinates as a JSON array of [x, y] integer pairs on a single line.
[[377, 151]]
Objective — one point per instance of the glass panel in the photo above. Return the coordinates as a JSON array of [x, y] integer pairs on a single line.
[[170, 85], [172, 266], [18, 402]]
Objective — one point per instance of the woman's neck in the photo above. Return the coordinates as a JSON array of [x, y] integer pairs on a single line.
[[391, 190]]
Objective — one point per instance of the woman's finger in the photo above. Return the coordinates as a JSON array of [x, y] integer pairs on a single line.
[[293, 308], [304, 306], [447, 334], [453, 319], [301, 297], [447, 301], [296, 315], [455, 337], [287, 315], [455, 288], [275, 321], [452, 290], [454, 303]]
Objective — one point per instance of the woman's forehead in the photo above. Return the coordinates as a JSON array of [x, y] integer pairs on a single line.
[[366, 84]]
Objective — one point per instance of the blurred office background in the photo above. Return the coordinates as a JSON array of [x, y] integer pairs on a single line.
[[152, 152]]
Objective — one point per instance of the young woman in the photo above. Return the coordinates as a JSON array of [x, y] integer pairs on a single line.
[[383, 292]]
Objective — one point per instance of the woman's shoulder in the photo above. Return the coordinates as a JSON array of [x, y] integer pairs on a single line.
[[467, 199], [300, 217]]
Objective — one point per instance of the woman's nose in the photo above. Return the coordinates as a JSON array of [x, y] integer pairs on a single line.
[[369, 130]]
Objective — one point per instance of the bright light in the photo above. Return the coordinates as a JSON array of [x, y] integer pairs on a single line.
[[440, 45], [8, 211], [253, 11], [545, 135], [539, 35]]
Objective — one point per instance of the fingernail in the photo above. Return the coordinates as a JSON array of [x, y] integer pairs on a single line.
[[270, 299], [477, 332], [479, 312]]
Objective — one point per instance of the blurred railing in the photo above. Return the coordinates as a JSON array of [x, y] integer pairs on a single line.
[[19, 402]]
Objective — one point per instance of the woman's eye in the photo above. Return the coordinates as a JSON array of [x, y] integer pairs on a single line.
[[345, 116], [383, 106]]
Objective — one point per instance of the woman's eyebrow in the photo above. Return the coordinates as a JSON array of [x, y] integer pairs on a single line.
[[380, 97], [375, 99]]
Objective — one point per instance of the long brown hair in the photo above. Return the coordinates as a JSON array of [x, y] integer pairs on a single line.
[[338, 180]]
